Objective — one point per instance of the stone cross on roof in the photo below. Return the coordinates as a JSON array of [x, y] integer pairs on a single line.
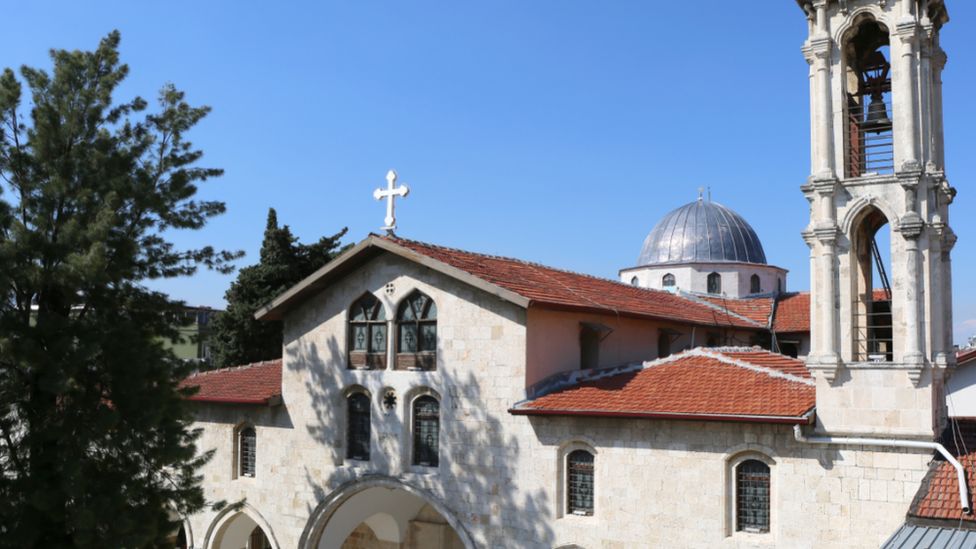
[[390, 193]]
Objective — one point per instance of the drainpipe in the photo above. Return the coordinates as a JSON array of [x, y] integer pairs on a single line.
[[960, 472]]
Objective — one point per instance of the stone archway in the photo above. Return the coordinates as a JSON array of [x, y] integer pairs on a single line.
[[244, 528], [383, 513]]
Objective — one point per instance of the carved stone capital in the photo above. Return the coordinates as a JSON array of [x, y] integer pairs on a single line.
[[949, 239], [824, 185], [909, 168], [809, 237], [906, 30], [819, 47], [826, 232], [911, 225]]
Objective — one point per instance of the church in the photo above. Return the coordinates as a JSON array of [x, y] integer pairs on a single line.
[[431, 397]]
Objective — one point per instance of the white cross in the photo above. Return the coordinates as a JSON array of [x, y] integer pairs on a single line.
[[390, 193]]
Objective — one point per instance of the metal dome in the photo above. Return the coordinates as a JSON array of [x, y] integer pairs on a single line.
[[702, 231]]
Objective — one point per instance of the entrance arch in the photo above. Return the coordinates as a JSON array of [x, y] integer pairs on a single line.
[[386, 509], [234, 529]]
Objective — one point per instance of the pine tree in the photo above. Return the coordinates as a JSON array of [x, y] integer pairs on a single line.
[[235, 336], [95, 442]]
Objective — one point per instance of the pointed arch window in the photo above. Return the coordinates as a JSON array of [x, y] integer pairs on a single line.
[[247, 452], [752, 496], [417, 333], [358, 428], [668, 281], [714, 283], [257, 539], [367, 334], [426, 431], [579, 483], [755, 285]]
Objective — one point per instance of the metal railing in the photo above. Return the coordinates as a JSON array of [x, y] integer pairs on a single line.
[[870, 144], [873, 335]]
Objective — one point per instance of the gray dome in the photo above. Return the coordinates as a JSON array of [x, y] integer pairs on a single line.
[[702, 231]]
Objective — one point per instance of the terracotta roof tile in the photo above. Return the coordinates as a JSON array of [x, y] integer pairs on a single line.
[[965, 356], [257, 383], [938, 496], [558, 288], [744, 384], [756, 309], [792, 313]]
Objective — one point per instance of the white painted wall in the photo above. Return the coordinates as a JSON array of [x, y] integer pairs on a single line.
[[961, 391], [693, 277]]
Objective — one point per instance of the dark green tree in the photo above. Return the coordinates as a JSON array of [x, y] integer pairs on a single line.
[[235, 336], [95, 442]]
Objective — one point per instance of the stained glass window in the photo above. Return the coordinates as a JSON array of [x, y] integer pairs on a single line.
[[248, 451], [416, 332], [752, 496], [357, 444], [426, 424], [367, 333], [579, 482]]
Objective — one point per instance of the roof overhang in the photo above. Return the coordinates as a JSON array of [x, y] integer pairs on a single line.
[[804, 419], [366, 250], [270, 401]]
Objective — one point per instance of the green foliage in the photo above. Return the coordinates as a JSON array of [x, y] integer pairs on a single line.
[[95, 442], [236, 337]]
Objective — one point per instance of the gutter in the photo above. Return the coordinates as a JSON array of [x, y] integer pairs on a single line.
[[794, 420], [960, 472]]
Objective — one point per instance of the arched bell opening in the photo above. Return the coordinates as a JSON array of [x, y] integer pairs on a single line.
[[871, 288], [869, 140]]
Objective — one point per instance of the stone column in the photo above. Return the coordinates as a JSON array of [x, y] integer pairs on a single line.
[[904, 99], [819, 50], [911, 226]]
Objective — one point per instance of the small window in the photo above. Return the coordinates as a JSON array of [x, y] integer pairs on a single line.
[[417, 333], [663, 344], [358, 434], [579, 483], [634, 281], [589, 347], [258, 540], [714, 283], [367, 334], [752, 496], [755, 286], [247, 450], [426, 427], [668, 280]]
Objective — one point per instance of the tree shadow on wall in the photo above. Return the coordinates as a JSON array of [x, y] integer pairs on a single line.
[[476, 478]]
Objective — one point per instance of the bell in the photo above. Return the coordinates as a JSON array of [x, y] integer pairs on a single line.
[[878, 120]]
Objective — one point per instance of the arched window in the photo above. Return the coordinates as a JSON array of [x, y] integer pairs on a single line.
[[358, 432], [579, 483], [752, 496], [247, 451], [367, 334], [426, 427], [869, 139], [668, 280], [755, 286], [257, 539], [635, 281], [417, 333], [714, 283]]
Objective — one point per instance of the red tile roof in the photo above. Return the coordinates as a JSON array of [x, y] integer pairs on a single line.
[[732, 384], [556, 288], [257, 383], [792, 313], [965, 356], [938, 496], [756, 309]]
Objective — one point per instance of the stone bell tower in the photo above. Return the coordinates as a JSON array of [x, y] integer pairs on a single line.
[[881, 335]]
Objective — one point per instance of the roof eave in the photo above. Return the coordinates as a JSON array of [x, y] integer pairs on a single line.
[[273, 400], [803, 419]]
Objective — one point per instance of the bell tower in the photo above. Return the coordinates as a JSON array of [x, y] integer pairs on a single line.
[[881, 310]]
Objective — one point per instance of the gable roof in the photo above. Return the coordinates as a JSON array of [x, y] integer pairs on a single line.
[[719, 384], [757, 309], [256, 383], [520, 282], [938, 496]]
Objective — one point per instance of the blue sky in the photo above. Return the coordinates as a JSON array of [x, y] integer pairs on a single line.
[[548, 130]]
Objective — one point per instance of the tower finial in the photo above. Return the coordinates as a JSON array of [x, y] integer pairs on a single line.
[[701, 193]]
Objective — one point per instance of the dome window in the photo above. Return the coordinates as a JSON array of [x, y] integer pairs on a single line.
[[668, 281], [755, 286], [714, 283]]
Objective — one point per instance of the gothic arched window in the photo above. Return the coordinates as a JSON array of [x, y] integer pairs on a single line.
[[752, 496], [426, 427], [367, 334], [358, 428], [247, 451], [668, 280], [714, 283], [755, 286], [579, 483], [417, 333], [258, 540]]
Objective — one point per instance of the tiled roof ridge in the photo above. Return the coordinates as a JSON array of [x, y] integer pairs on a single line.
[[271, 362], [693, 297], [525, 262], [718, 353]]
